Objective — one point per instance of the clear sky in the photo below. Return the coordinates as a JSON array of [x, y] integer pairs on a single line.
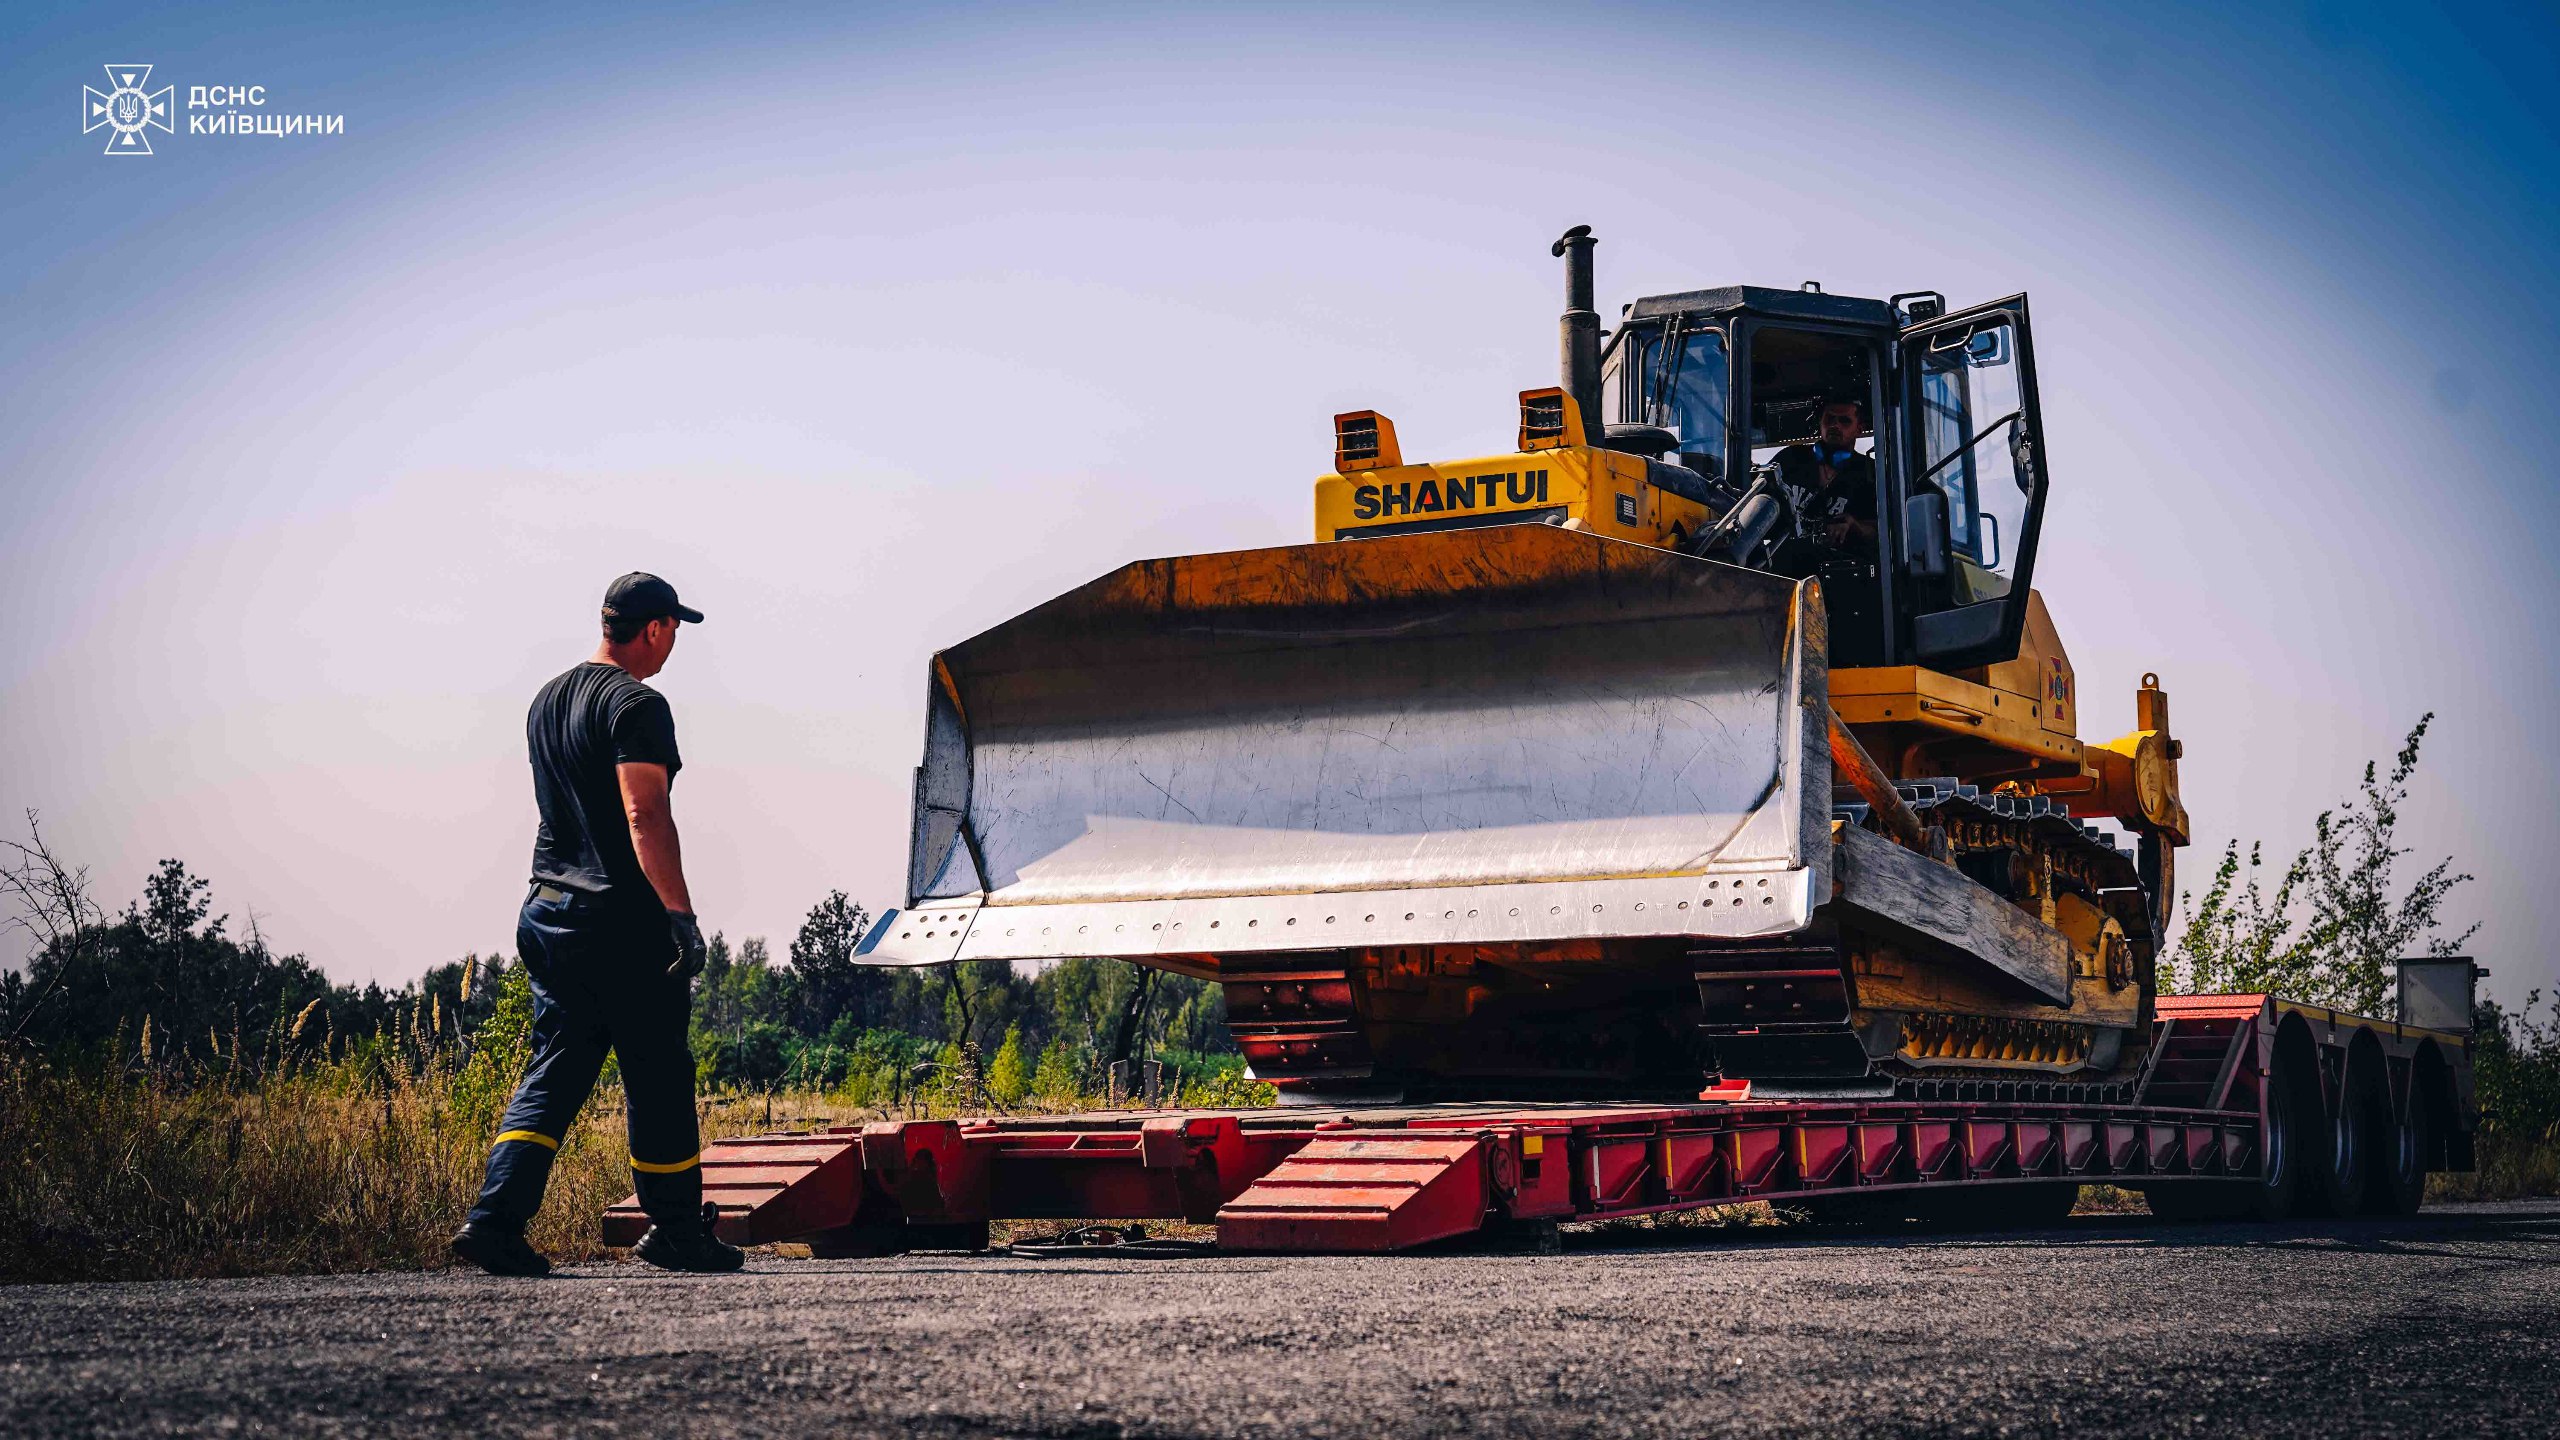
[[870, 326]]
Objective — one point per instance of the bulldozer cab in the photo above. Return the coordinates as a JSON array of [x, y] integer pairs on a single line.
[[1730, 382]]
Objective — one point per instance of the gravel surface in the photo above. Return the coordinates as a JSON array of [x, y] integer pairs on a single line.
[[2444, 1325]]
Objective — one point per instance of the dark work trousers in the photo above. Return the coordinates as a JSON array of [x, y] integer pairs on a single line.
[[600, 983]]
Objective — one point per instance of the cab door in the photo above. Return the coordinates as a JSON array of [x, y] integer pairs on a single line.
[[1974, 439]]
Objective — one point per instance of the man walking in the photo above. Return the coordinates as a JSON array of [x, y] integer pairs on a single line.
[[608, 937]]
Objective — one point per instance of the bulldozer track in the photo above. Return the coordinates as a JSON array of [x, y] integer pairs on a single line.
[[1787, 1008], [1977, 822]]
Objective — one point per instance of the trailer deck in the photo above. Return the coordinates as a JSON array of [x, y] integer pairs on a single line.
[[1367, 1179]]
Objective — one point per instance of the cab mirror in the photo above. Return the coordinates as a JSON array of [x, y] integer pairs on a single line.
[[2022, 457], [1924, 536]]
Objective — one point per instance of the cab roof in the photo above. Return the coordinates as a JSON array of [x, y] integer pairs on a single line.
[[1790, 304]]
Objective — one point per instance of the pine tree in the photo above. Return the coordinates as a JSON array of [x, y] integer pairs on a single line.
[[1054, 1079], [1009, 1078], [831, 984]]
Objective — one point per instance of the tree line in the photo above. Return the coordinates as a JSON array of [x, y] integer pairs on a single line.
[[169, 984]]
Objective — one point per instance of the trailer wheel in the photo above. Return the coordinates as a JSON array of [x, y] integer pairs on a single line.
[[2292, 1128], [2400, 1184], [2349, 1143]]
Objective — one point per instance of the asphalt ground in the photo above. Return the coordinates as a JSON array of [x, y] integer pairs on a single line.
[[2448, 1324]]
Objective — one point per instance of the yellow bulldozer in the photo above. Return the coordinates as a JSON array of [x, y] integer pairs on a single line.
[[1712, 736]]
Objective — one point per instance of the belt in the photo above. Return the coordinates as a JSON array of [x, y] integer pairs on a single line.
[[617, 903]]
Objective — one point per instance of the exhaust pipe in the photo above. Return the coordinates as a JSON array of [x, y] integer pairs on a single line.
[[1581, 330]]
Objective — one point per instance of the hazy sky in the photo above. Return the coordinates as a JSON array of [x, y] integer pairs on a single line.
[[869, 328]]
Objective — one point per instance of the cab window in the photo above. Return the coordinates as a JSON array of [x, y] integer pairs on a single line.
[[1678, 383], [1793, 374]]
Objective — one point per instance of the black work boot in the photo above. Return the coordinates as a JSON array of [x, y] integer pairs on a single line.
[[498, 1250], [690, 1246]]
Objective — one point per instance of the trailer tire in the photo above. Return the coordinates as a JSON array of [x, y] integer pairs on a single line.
[[2292, 1124], [2399, 1184], [2292, 1129], [2348, 1147]]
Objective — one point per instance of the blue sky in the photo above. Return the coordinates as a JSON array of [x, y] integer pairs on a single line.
[[871, 327]]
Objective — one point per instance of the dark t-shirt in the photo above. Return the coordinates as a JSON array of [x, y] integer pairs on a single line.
[[1852, 490], [592, 718]]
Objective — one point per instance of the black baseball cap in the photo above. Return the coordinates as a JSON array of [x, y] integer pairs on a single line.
[[643, 596]]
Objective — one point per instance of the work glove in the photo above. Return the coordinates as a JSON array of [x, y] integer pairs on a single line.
[[690, 951]]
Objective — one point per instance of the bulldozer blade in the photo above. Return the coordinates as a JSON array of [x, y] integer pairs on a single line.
[[1512, 734]]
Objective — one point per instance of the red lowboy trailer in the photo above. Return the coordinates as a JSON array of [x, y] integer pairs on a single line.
[[2250, 1105]]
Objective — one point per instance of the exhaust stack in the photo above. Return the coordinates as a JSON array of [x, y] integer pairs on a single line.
[[1580, 329]]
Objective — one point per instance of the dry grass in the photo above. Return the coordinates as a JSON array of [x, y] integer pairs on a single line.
[[368, 1161], [309, 1154], [2512, 1167], [1675, 1227], [2110, 1200], [122, 1177]]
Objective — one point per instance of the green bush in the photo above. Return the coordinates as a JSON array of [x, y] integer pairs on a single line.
[[1215, 1082], [501, 1048], [2516, 1061]]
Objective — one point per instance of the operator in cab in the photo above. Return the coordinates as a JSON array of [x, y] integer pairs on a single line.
[[1833, 489], [1832, 485]]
